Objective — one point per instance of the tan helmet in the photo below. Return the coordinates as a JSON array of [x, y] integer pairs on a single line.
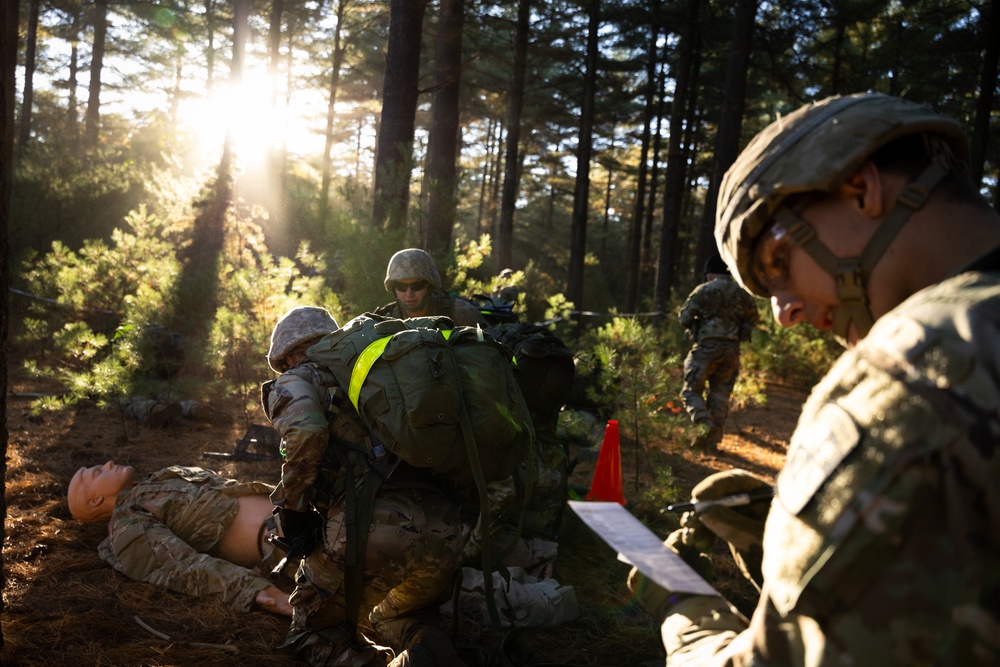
[[815, 149], [295, 327], [412, 264]]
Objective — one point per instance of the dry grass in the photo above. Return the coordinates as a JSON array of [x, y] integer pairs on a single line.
[[64, 606]]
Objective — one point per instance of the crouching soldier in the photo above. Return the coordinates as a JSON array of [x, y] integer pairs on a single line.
[[388, 547]]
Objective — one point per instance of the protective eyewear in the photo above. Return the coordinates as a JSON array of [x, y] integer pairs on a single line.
[[416, 286]]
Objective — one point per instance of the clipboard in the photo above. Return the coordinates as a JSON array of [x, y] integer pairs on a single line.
[[639, 546]]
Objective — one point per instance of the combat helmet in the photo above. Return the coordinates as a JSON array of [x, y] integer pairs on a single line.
[[294, 328], [412, 264], [815, 149], [715, 265]]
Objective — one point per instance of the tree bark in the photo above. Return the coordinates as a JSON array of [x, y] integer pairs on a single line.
[[647, 277], [394, 152], [31, 42], [442, 144], [331, 111], [581, 193], [511, 175], [92, 122], [210, 46], [72, 119], [8, 28], [987, 88], [727, 141], [673, 191], [633, 265]]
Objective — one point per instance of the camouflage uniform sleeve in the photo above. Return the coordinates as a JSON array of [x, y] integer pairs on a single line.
[[296, 407], [142, 548], [880, 547], [691, 310]]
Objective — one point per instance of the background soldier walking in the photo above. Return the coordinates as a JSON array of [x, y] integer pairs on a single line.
[[718, 315]]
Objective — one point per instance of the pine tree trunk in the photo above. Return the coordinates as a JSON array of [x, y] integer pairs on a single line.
[[8, 28], [504, 246], [92, 121], [581, 193], [442, 144], [31, 42], [394, 152], [727, 141], [673, 191], [331, 111]]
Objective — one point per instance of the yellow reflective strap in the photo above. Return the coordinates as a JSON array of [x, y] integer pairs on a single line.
[[366, 360], [364, 364]]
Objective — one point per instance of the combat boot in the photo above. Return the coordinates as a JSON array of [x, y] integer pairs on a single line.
[[423, 641]]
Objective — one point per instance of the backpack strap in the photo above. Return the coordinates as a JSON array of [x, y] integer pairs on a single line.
[[357, 516], [484, 513], [359, 506]]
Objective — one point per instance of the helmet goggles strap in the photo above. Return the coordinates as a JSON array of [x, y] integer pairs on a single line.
[[851, 273]]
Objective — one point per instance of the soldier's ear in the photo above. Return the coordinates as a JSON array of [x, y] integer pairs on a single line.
[[864, 187], [95, 501]]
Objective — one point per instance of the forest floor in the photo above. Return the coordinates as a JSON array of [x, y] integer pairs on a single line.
[[63, 605]]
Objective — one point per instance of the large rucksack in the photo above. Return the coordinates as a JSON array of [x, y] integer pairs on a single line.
[[438, 396], [544, 369]]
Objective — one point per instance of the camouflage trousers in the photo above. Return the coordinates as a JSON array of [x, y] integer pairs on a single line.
[[412, 556], [714, 362]]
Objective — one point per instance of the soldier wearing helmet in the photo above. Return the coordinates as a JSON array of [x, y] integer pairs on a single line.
[[411, 550], [413, 278], [718, 315], [881, 544]]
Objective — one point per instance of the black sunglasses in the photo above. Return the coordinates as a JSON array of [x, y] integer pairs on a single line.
[[415, 286]]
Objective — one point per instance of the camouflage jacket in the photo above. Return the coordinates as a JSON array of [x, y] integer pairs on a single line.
[[719, 309], [164, 528], [461, 311], [305, 405], [882, 546]]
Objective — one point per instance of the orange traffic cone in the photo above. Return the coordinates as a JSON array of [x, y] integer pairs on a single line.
[[607, 484]]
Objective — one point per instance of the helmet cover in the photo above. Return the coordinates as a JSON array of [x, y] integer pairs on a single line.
[[412, 264], [295, 327], [815, 148]]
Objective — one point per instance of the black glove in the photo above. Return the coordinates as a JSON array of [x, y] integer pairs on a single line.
[[295, 526], [299, 533]]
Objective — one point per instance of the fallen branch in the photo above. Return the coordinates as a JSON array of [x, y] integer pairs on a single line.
[[156, 633]]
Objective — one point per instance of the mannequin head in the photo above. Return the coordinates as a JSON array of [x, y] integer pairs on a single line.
[[93, 491]]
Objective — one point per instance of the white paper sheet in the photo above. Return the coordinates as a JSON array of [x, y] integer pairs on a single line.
[[639, 546]]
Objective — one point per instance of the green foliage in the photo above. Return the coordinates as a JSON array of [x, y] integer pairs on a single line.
[[664, 489], [256, 289], [118, 290], [635, 381], [62, 193], [797, 356]]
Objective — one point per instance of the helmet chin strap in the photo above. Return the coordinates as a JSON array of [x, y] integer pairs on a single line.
[[851, 274]]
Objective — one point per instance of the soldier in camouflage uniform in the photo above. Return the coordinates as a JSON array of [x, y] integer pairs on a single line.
[[413, 278], [414, 537], [882, 545], [189, 530], [718, 315]]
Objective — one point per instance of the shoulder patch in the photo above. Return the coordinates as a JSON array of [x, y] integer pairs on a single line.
[[817, 448]]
